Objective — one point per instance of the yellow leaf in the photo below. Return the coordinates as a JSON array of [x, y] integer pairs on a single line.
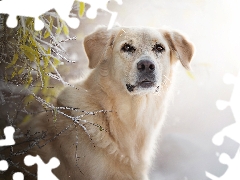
[[190, 74], [49, 51], [29, 23], [32, 40], [27, 118], [45, 88], [59, 30], [50, 23], [48, 99], [14, 60], [29, 52], [56, 62], [29, 56], [65, 29], [21, 70], [28, 99], [81, 9], [55, 115], [36, 88], [46, 61], [13, 74], [29, 81], [46, 34]]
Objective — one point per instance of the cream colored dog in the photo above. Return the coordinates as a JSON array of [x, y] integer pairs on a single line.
[[126, 93]]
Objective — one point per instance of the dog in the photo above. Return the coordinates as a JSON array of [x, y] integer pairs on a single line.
[[114, 116]]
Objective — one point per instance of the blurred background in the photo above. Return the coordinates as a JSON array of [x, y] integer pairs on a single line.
[[185, 149]]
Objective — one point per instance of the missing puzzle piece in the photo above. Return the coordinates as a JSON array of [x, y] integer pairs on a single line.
[[44, 170], [8, 132], [233, 167], [34, 8], [232, 131], [3, 165]]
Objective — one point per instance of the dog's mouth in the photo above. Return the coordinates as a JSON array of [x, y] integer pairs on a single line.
[[142, 84], [146, 84]]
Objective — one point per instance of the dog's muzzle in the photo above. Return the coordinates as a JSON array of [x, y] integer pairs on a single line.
[[146, 75]]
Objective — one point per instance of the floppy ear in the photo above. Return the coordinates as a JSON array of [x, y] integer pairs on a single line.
[[96, 45], [181, 48]]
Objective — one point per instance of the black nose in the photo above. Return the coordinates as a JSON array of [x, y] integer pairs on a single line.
[[145, 66]]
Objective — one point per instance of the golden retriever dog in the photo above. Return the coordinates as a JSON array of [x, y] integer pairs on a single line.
[[109, 130]]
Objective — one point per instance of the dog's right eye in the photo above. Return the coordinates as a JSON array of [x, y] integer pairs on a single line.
[[128, 48]]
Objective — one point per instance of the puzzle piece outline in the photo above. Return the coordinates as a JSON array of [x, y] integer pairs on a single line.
[[231, 131], [63, 9], [9, 140], [42, 173], [52, 164]]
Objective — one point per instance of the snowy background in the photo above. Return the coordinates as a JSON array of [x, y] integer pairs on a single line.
[[186, 149]]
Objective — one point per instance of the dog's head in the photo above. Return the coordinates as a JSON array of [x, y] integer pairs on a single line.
[[138, 59]]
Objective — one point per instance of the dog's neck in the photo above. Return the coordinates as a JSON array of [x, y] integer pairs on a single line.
[[133, 122]]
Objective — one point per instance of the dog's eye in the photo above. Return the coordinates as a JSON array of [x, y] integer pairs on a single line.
[[158, 48], [128, 48]]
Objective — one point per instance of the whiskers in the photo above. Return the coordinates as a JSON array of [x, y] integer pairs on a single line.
[[166, 82]]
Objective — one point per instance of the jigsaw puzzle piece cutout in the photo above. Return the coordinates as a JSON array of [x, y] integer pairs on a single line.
[[34, 9], [3, 165], [232, 131], [9, 140], [234, 102], [44, 170], [18, 176], [101, 4], [30, 8], [233, 167], [63, 11]]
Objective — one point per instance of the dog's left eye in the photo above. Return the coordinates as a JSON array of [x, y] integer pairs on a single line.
[[158, 48], [128, 48]]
